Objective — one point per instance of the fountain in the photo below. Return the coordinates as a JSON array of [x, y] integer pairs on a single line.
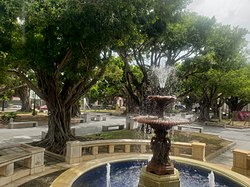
[[127, 170], [160, 164]]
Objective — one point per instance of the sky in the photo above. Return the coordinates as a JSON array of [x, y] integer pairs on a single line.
[[227, 12]]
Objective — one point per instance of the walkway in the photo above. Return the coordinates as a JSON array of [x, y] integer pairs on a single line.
[[24, 135], [240, 136]]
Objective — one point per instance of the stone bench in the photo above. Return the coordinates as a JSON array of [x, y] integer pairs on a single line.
[[19, 162], [85, 117], [98, 118], [7, 162], [12, 125], [106, 128], [213, 123], [77, 120], [180, 127]]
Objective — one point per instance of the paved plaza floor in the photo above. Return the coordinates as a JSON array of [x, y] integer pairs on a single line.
[[24, 135]]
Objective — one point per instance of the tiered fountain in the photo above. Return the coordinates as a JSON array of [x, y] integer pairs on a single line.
[[160, 171]]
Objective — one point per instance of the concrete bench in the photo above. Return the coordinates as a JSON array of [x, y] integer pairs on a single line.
[[214, 123], [180, 127], [77, 120], [106, 128], [98, 118], [85, 117], [19, 162], [12, 125]]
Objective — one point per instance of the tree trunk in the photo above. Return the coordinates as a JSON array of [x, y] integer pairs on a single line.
[[204, 112], [76, 110], [215, 109], [135, 87], [58, 130], [60, 113], [24, 94], [3, 104], [235, 104], [132, 106]]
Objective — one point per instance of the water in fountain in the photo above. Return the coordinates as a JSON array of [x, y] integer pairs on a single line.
[[211, 179], [126, 174], [108, 184], [164, 74]]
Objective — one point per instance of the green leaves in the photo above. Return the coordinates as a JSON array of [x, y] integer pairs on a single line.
[[110, 85], [220, 70]]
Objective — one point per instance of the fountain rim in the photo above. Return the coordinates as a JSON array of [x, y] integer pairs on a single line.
[[68, 177], [155, 121], [159, 97]]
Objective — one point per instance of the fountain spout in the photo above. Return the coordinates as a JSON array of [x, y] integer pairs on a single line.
[[108, 184]]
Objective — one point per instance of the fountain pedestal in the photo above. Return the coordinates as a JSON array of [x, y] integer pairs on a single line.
[[148, 179], [160, 171]]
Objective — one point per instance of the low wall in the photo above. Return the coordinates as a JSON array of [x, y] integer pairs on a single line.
[[83, 151], [241, 162]]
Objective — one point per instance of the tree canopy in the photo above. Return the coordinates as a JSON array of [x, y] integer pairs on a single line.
[[61, 48], [209, 74]]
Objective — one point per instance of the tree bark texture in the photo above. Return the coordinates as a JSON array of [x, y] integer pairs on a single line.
[[60, 113], [24, 94], [204, 111], [61, 100]]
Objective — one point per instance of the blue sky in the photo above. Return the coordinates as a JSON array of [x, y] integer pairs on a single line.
[[228, 12]]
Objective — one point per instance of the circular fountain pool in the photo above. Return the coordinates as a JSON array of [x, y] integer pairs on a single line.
[[125, 172]]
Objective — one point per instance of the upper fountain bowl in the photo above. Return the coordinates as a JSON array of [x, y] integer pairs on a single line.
[[162, 98]]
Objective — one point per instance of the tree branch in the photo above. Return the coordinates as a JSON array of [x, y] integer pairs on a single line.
[[7, 88], [28, 82], [63, 62]]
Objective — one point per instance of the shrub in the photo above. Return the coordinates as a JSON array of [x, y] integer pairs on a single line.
[[6, 117]]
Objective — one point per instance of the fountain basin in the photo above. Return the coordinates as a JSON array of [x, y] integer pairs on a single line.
[[69, 177]]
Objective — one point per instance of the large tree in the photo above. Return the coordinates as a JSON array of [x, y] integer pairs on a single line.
[[207, 75], [237, 92], [66, 44], [165, 35]]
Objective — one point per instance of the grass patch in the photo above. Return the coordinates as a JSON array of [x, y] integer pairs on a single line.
[[213, 142], [118, 134]]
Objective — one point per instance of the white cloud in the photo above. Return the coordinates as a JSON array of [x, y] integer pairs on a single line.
[[228, 12]]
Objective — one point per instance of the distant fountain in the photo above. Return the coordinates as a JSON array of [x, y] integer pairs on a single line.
[[85, 105]]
